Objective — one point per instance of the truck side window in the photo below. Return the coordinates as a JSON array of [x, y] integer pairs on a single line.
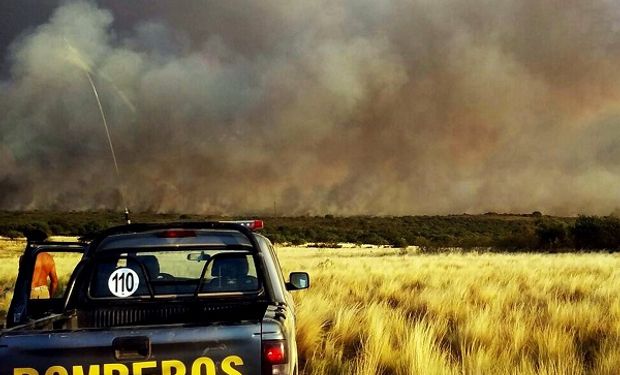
[[277, 262]]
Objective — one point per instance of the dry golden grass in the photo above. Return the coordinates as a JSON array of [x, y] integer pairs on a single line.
[[382, 311], [10, 250], [389, 312], [9, 256]]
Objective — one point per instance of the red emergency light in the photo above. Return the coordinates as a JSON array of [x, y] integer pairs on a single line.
[[250, 224]]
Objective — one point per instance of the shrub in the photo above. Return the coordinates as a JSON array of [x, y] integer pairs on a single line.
[[551, 234], [593, 232], [399, 242], [36, 231], [12, 233]]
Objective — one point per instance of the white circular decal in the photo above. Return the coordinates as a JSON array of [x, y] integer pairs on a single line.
[[123, 282]]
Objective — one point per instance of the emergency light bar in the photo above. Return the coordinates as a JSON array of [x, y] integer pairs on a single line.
[[250, 224]]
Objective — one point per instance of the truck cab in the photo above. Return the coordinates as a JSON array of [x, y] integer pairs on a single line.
[[175, 299]]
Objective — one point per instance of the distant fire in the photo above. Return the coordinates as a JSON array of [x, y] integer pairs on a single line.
[[403, 107]]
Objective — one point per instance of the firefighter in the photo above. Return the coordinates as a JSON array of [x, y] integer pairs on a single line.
[[44, 268]]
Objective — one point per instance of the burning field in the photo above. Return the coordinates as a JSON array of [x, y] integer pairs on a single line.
[[339, 108], [325, 107], [389, 311]]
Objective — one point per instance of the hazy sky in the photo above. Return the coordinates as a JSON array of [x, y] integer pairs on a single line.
[[326, 106]]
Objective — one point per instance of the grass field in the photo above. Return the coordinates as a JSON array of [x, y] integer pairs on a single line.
[[384, 311], [390, 312], [10, 250]]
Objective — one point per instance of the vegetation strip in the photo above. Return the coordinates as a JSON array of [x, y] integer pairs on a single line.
[[493, 232]]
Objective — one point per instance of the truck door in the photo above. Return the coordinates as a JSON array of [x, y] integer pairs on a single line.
[[44, 273]]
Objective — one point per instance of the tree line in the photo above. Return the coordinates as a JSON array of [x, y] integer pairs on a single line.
[[502, 232]]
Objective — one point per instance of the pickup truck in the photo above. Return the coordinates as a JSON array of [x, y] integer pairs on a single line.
[[197, 298]]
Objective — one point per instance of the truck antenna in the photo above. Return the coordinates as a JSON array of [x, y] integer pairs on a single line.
[[107, 132], [76, 58], [127, 218]]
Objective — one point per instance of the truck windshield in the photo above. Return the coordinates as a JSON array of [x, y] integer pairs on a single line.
[[163, 272]]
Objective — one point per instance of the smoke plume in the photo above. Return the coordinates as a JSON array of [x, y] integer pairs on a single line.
[[316, 107]]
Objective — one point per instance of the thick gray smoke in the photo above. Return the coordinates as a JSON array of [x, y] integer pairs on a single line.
[[345, 107]]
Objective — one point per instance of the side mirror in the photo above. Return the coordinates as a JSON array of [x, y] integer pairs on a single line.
[[298, 280]]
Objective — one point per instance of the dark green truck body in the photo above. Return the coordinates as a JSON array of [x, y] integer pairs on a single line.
[[214, 319]]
